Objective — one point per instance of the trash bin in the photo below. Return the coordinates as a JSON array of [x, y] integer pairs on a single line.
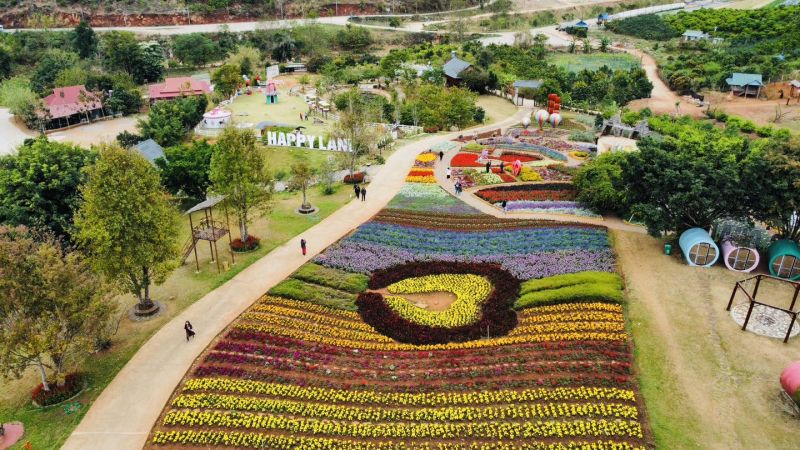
[[667, 249]]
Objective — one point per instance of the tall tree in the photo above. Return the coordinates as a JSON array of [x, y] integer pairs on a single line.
[[168, 122], [150, 66], [39, 185], [85, 40], [121, 51], [355, 124], [185, 169], [227, 79], [53, 308], [48, 68], [6, 62], [195, 49], [302, 174], [238, 172], [129, 233]]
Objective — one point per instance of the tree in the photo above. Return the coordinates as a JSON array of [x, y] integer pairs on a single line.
[[238, 172], [129, 233], [195, 49], [150, 66], [244, 58], [16, 94], [304, 81], [39, 185], [282, 46], [227, 79], [587, 46], [772, 178], [355, 125], [125, 96], [687, 180], [72, 76], [6, 63], [327, 175], [604, 43], [599, 184], [354, 38], [302, 175], [476, 80], [53, 310], [85, 40], [48, 68], [186, 169], [168, 122], [121, 51]]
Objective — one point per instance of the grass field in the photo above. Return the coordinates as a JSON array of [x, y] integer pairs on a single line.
[[575, 62], [47, 429], [496, 108], [279, 160]]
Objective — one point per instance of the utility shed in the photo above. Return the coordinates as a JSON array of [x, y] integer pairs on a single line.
[[745, 84]]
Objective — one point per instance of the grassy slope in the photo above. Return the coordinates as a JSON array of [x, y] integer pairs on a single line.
[[575, 62], [49, 428]]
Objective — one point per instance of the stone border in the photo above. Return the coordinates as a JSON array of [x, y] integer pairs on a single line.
[[764, 321]]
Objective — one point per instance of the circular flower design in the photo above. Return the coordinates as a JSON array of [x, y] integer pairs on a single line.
[[484, 295]]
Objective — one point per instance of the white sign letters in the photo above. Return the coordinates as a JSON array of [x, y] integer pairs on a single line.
[[281, 139]]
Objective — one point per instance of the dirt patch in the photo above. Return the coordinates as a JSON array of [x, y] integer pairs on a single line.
[[432, 301], [762, 112]]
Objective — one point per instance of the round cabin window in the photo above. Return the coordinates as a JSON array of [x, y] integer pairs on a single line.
[[702, 254], [742, 259], [786, 266]]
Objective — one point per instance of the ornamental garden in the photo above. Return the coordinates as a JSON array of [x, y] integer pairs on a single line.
[[429, 326]]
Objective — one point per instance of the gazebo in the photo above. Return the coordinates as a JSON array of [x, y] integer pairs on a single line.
[[765, 307], [698, 248], [207, 229], [217, 118], [784, 259]]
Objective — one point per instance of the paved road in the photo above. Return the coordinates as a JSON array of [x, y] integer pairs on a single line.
[[122, 416], [11, 135]]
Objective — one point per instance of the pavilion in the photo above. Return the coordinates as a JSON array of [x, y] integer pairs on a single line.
[[71, 105], [744, 84]]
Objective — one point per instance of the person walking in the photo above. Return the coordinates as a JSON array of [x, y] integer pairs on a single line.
[[504, 205], [488, 166], [449, 173], [303, 246], [441, 155], [458, 187], [363, 194], [357, 190], [502, 164], [301, 116], [189, 330]]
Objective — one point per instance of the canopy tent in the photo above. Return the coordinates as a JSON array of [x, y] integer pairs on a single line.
[[698, 248], [784, 259]]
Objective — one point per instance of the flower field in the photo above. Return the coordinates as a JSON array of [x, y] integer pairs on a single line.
[[338, 357]]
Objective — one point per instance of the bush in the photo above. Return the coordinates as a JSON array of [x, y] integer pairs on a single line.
[[252, 243], [577, 293], [582, 136], [321, 295], [332, 278], [528, 174], [73, 383], [473, 147], [648, 26], [356, 178], [570, 279]]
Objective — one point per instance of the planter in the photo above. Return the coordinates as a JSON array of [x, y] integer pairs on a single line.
[[74, 384], [147, 311], [306, 209], [251, 244]]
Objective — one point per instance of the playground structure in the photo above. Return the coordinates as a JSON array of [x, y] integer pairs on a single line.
[[207, 229], [750, 288], [271, 93], [698, 248]]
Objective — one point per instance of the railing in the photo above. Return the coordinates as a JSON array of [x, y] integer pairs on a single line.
[[744, 284]]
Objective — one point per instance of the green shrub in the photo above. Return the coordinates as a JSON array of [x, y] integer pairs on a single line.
[[300, 290], [578, 293], [570, 279], [648, 26], [332, 278]]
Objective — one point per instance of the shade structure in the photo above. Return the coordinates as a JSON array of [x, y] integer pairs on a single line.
[[698, 248], [739, 258], [784, 259]]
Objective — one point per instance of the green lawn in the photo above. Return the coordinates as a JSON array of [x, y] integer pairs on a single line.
[[47, 429], [280, 159], [575, 62]]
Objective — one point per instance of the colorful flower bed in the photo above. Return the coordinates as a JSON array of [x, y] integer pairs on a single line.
[[529, 192], [426, 160], [551, 207], [502, 367]]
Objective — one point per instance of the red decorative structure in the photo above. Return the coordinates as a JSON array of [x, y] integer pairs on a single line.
[[553, 104], [790, 379]]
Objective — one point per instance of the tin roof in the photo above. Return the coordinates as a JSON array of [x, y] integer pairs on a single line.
[[66, 101]]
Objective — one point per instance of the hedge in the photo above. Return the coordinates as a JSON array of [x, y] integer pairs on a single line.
[[577, 293], [321, 295], [332, 278], [570, 279]]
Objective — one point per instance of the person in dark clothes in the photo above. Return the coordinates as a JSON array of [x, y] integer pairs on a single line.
[[502, 165], [189, 330], [441, 155], [363, 194], [504, 205], [357, 190], [303, 246], [488, 166]]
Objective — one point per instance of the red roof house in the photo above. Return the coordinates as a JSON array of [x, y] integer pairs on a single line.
[[71, 100], [176, 87]]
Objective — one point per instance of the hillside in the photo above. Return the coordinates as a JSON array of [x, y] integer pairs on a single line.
[[33, 13]]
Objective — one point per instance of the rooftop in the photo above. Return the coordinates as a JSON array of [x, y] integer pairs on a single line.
[[745, 79], [150, 150], [455, 66], [177, 86], [694, 33], [531, 84], [66, 101]]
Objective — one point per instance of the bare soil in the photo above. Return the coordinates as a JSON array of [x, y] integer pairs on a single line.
[[432, 301], [761, 111], [706, 383]]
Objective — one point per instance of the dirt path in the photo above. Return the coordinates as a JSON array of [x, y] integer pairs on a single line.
[[11, 134], [706, 383], [122, 416]]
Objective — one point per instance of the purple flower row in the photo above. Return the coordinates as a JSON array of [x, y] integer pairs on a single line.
[[366, 257]]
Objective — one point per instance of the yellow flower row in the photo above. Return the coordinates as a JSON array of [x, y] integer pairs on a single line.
[[277, 324], [324, 335], [426, 157], [564, 327], [421, 179], [575, 307], [288, 442], [437, 399], [406, 430], [291, 314], [470, 291], [298, 305], [381, 414], [576, 316]]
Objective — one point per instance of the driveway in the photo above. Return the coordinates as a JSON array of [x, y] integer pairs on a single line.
[[11, 134]]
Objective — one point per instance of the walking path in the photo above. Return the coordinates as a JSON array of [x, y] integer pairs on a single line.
[[469, 198], [122, 416]]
